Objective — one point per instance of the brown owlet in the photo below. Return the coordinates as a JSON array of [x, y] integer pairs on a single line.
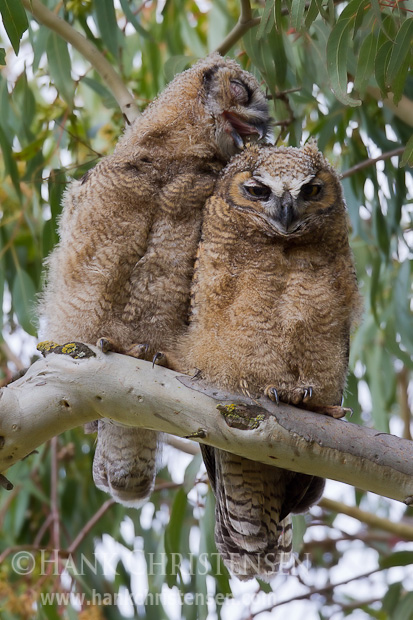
[[274, 298], [129, 232]]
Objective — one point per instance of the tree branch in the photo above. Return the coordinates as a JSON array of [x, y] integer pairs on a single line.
[[245, 22], [59, 393], [90, 52], [403, 530], [370, 162]]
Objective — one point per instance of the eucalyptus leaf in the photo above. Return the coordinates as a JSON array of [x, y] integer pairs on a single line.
[[14, 20]]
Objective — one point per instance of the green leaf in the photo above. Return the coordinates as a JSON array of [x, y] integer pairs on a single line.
[[297, 14], [401, 49], [381, 63], [23, 299], [392, 597], [173, 535], [403, 314], [131, 17], [267, 19], [399, 558], [365, 65], [2, 56], [60, 66], [177, 64], [9, 161], [337, 52], [105, 95], [312, 13], [407, 157], [108, 26], [14, 20]]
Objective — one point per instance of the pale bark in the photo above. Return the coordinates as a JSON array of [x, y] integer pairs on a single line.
[[59, 393]]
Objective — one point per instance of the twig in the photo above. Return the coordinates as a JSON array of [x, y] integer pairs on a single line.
[[11, 356], [323, 590], [399, 529], [89, 525], [6, 484], [245, 22], [406, 414], [371, 162], [90, 52], [189, 447], [54, 496]]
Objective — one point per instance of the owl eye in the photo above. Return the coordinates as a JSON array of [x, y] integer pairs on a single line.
[[310, 190], [258, 191], [239, 91]]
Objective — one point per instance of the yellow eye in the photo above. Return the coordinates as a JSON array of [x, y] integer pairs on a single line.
[[310, 190], [257, 191]]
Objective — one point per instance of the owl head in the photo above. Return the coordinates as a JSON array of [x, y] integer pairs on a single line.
[[235, 102], [212, 109], [286, 192]]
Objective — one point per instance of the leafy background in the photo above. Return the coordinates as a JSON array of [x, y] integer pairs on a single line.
[[338, 71]]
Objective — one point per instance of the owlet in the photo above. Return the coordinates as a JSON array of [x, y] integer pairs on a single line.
[[274, 298], [129, 231]]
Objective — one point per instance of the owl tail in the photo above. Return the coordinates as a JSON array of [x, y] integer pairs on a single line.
[[124, 464], [249, 534]]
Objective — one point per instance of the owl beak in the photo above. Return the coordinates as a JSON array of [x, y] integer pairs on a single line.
[[238, 128], [285, 212]]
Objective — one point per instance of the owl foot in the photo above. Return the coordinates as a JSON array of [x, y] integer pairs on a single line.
[[139, 351], [297, 396]]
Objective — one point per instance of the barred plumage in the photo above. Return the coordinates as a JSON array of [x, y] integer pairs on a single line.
[[274, 297]]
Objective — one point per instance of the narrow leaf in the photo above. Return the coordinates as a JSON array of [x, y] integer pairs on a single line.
[[2, 56], [60, 66], [365, 65], [267, 18], [403, 314], [312, 13], [381, 63], [23, 298], [14, 20], [9, 161], [400, 558], [407, 157], [105, 95], [337, 50], [297, 14], [131, 17], [108, 26], [401, 49]]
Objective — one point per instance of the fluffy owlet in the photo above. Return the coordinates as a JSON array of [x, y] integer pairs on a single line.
[[129, 231], [274, 298]]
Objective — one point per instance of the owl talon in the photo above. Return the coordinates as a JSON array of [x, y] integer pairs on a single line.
[[159, 358], [105, 345], [273, 395], [139, 351], [308, 394]]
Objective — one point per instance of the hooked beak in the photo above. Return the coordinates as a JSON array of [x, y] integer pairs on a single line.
[[240, 128], [285, 214]]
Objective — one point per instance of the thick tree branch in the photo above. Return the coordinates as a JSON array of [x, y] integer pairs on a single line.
[[90, 52], [59, 393]]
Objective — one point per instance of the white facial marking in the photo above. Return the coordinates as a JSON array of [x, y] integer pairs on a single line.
[[288, 182]]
